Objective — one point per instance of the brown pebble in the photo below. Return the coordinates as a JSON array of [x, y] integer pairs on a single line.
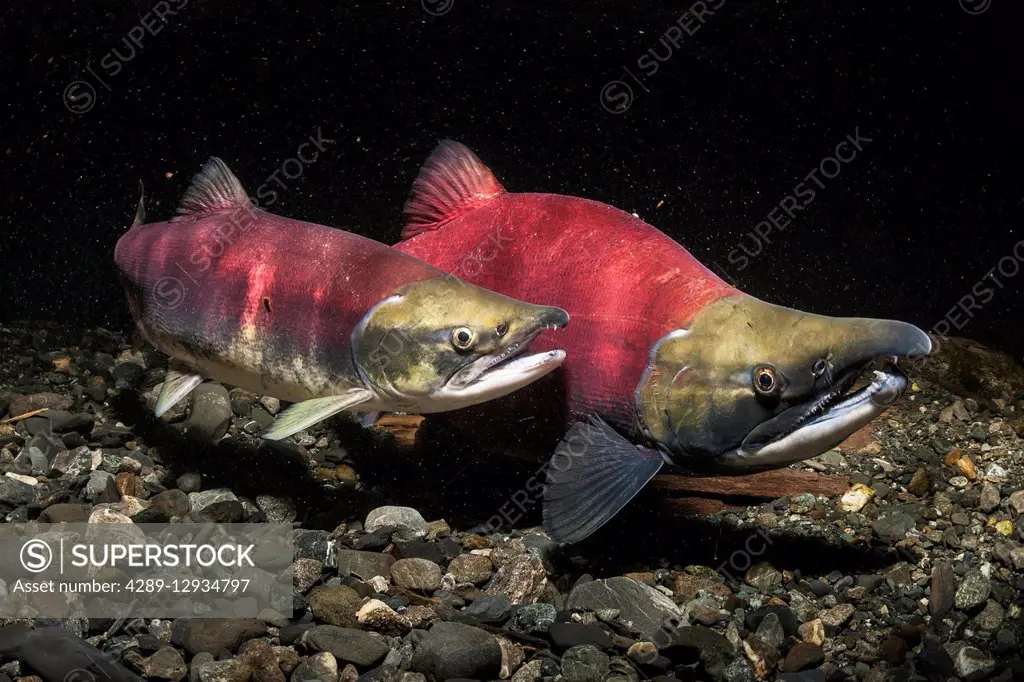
[[893, 650], [802, 656], [687, 586], [813, 632], [473, 541], [327, 473], [471, 568], [966, 466], [344, 472], [919, 483], [438, 529], [130, 485], [643, 652], [952, 456]]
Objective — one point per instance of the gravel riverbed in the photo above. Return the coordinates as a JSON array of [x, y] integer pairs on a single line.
[[386, 591]]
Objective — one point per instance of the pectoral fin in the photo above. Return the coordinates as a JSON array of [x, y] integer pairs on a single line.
[[177, 384], [303, 415], [592, 475]]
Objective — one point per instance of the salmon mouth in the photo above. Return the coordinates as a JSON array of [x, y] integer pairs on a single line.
[[500, 373], [508, 374], [506, 364], [809, 428]]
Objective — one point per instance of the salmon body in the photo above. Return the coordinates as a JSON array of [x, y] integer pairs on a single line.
[[665, 362], [316, 316], [259, 301]]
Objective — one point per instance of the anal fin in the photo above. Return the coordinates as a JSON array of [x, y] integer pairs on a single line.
[[178, 383], [593, 474], [309, 412]]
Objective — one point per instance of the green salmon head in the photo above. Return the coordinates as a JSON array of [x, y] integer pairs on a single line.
[[750, 386], [441, 344]]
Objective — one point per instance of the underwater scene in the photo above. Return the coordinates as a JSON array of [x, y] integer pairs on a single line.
[[462, 340]]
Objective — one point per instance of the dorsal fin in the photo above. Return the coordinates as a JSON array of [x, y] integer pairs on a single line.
[[140, 208], [452, 182], [213, 189]]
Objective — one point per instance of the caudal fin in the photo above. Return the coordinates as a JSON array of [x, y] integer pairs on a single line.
[[593, 474]]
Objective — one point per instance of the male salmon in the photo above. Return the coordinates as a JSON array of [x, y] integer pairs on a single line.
[[666, 363], [313, 315]]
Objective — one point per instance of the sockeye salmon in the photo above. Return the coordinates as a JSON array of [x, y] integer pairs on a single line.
[[323, 318], [666, 363]]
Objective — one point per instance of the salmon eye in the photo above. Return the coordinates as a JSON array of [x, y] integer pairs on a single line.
[[764, 380], [502, 329], [463, 338], [819, 367]]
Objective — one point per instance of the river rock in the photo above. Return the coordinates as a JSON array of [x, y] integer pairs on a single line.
[[641, 607], [971, 664], [585, 663], [533, 618], [73, 462], [335, 605], [471, 568], [416, 574], [165, 664], [214, 634], [211, 412], [522, 579], [348, 645], [320, 667], [408, 524], [378, 616], [893, 527], [363, 565], [218, 505], [455, 650], [230, 670], [973, 590], [102, 488]]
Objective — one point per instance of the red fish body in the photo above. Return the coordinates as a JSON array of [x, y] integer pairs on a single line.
[[665, 362], [313, 315], [247, 288]]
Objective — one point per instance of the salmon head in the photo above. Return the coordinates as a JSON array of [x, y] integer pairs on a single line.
[[442, 344], [750, 386]]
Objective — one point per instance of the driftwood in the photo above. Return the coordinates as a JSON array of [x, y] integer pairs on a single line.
[[695, 495]]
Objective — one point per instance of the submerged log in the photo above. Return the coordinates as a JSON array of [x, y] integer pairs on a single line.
[[690, 495]]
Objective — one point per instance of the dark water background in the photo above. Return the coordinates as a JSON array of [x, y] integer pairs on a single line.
[[733, 120]]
